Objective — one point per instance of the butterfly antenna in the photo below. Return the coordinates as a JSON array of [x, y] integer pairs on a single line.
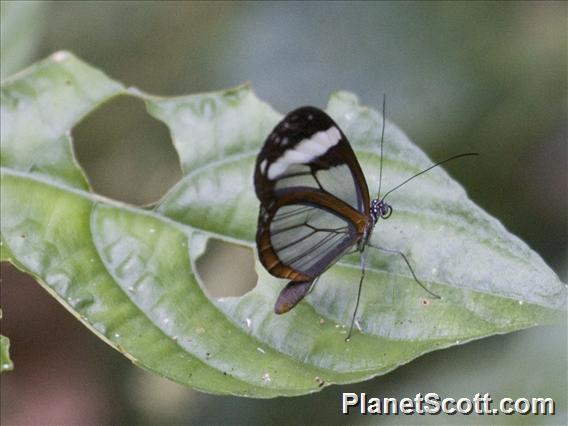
[[382, 139], [467, 154]]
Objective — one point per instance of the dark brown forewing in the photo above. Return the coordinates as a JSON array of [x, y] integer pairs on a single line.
[[307, 149]]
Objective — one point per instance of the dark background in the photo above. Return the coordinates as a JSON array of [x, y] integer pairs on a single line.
[[485, 77]]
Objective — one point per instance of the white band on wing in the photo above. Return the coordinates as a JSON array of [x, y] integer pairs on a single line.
[[305, 151]]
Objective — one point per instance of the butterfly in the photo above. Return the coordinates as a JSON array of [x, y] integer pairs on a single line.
[[314, 203]]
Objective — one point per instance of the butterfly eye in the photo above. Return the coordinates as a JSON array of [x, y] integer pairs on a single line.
[[386, 211]]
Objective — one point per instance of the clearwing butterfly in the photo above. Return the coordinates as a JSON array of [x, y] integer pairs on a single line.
[[314, 203]]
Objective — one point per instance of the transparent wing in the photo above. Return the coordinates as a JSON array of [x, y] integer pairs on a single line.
[[335, 180], [303, 238]]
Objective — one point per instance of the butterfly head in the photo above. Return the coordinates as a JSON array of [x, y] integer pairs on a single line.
[[380, 208]]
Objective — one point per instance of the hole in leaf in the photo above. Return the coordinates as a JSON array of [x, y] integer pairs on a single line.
[[226, 270], [126, 153]]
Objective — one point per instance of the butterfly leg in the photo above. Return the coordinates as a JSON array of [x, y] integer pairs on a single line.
[[291, 295], [314, 282], [358, 297], [409, 267], [355, 250]]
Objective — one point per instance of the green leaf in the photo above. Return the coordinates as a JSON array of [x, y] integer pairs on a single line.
[[6, 363], [21, 25], [129, 273]]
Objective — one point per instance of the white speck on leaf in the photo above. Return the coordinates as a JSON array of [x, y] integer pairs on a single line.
[[60, 56]]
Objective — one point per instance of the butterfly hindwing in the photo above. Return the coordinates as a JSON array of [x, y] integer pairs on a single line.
[[300, 240], [314, 198]]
